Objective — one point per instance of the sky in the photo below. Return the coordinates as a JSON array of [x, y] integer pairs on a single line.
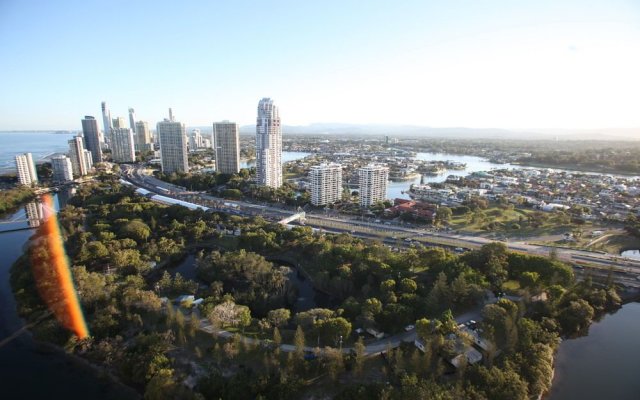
[[478, 63]]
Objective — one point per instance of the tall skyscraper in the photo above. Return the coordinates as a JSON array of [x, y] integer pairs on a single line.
[[143, 137], [173, 145], [106, 119], [268, 144], [132, 120], [227, 145], [92, 137], [76, 154], [26, 169], [373, 184], [122, 145], [119, 122], [62, 169], [326, 183]]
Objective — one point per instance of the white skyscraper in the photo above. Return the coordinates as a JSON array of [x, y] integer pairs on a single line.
[[326, 183], [122, 145], [26, 169], [143, 137], [106, 119], [226, 137], [373, 184], [173, 145], [77, 156], [88, 159], [132, 120], [62, 169], [268, 144], [34, 213]]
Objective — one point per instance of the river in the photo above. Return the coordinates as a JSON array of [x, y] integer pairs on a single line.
[[602, 365], [28, 372]]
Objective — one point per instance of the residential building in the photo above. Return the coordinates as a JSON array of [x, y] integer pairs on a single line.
[[132, 120], [173, 145], [76, 154], [268, 144], [122, 145], [62, 169], [226, 138], [143, 137], [91, 135], [373, 184], [326, 183], [26, 169]]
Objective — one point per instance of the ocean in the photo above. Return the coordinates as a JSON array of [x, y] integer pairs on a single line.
[[40, 144]]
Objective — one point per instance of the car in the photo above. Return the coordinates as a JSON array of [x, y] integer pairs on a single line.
[[409, 328], [407, 240]]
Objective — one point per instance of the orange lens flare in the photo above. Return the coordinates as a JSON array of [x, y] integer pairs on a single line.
[[53, 275]]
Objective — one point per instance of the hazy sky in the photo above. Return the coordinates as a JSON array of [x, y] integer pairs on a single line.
[[503, 64]]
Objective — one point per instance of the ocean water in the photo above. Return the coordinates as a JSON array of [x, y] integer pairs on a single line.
[[40, 144]]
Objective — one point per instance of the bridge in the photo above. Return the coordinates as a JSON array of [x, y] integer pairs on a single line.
[[300, 216], [34, 215]]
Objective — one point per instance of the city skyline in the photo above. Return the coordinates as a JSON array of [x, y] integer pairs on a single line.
[[489, 65]]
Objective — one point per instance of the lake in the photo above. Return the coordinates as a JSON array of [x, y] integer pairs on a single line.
[[631, 254], [602, 365]]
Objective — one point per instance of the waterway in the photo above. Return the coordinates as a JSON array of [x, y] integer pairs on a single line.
[[604, 364], [27, 371]]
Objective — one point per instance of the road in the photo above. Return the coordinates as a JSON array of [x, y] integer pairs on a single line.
[[627, 271], [373, 348]]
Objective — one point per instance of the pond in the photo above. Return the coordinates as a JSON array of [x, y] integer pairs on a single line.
[[635, 254], [308, 296]]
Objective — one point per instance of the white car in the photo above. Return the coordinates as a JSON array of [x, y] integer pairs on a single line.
[[409, 328]]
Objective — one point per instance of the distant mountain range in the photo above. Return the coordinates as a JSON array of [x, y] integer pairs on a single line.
[[458, 133]]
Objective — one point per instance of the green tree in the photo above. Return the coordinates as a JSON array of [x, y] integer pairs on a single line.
[[279, 317]]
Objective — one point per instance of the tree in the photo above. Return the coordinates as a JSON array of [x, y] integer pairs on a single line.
[[136, 230], [424, 329], [229, 313], [279, 317], [334, 361], [576, 316], [333, 329], [443, 214], [298, 342], [359, 353], [408, 285], [529, 279]]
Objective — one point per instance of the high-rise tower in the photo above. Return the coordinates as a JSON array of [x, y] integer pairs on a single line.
[[106, 120], [227, 146], [373, 184], [268, 144], [132, 120], [143, 137], [173, 145], [326, 183], [76, 154], [92, 137], [26, 169], [122, 145]]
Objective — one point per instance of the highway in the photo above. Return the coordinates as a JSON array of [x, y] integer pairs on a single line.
[[625, 271]]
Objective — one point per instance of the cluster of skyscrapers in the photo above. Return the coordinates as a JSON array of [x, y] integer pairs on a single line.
[[86, 149]]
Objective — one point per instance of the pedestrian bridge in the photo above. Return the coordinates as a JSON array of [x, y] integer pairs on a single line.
[[300, 216]]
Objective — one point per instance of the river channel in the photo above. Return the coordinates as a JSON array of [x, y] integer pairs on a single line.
[[28, 370]]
